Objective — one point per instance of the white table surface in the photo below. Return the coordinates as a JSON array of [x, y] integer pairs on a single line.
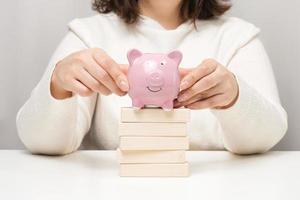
[[94, 175]]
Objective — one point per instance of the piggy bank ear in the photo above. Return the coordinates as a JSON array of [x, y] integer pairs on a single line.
[[176, 56], [132, 55]]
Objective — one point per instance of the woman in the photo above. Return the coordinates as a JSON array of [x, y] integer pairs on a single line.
[[227, 80]]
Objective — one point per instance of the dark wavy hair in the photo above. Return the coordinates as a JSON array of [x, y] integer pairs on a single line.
[[128, 10]]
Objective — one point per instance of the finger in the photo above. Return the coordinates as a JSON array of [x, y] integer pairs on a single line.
[[210, 102], [183, 72], [103, 77], [89, 81], [206, 67], [112, 68], [203, 95], [176, 104], [124, 68], [79, 88], [202, 85]]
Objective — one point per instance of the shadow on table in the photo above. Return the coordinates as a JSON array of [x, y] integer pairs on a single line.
[[228, 161], [87, 159]]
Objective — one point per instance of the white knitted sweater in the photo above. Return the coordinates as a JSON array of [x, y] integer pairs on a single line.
[[254, 124]]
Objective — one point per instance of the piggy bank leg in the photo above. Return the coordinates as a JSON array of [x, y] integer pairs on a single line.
[[168, 105], [137, 104]]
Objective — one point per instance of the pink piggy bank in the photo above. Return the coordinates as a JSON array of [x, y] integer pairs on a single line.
[[153, 78]]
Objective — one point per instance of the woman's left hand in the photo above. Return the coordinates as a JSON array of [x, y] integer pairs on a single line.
[[210, 85]]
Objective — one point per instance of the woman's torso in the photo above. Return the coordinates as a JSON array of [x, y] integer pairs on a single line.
[[210, 40]]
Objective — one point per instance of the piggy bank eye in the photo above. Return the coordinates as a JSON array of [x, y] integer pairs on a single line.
[[162, 63]]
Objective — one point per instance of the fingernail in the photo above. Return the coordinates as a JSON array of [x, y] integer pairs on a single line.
[[183, 85], [124, 86]]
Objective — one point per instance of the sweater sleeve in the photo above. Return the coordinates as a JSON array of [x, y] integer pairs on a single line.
[[257, 121], [50, 126]]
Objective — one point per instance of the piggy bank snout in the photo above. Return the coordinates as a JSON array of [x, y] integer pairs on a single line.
[[155, 79]]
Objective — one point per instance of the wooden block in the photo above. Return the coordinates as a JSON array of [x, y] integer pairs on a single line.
[[153, 143], [152, 129], [154, 115], [154, 170], [177, 156]]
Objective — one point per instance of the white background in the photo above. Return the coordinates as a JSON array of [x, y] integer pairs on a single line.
[[30, 30]]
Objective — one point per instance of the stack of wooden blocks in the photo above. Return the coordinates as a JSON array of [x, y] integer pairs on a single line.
[[153, 142]]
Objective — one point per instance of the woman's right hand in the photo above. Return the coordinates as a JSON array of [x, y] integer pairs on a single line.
[[86, 72]]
